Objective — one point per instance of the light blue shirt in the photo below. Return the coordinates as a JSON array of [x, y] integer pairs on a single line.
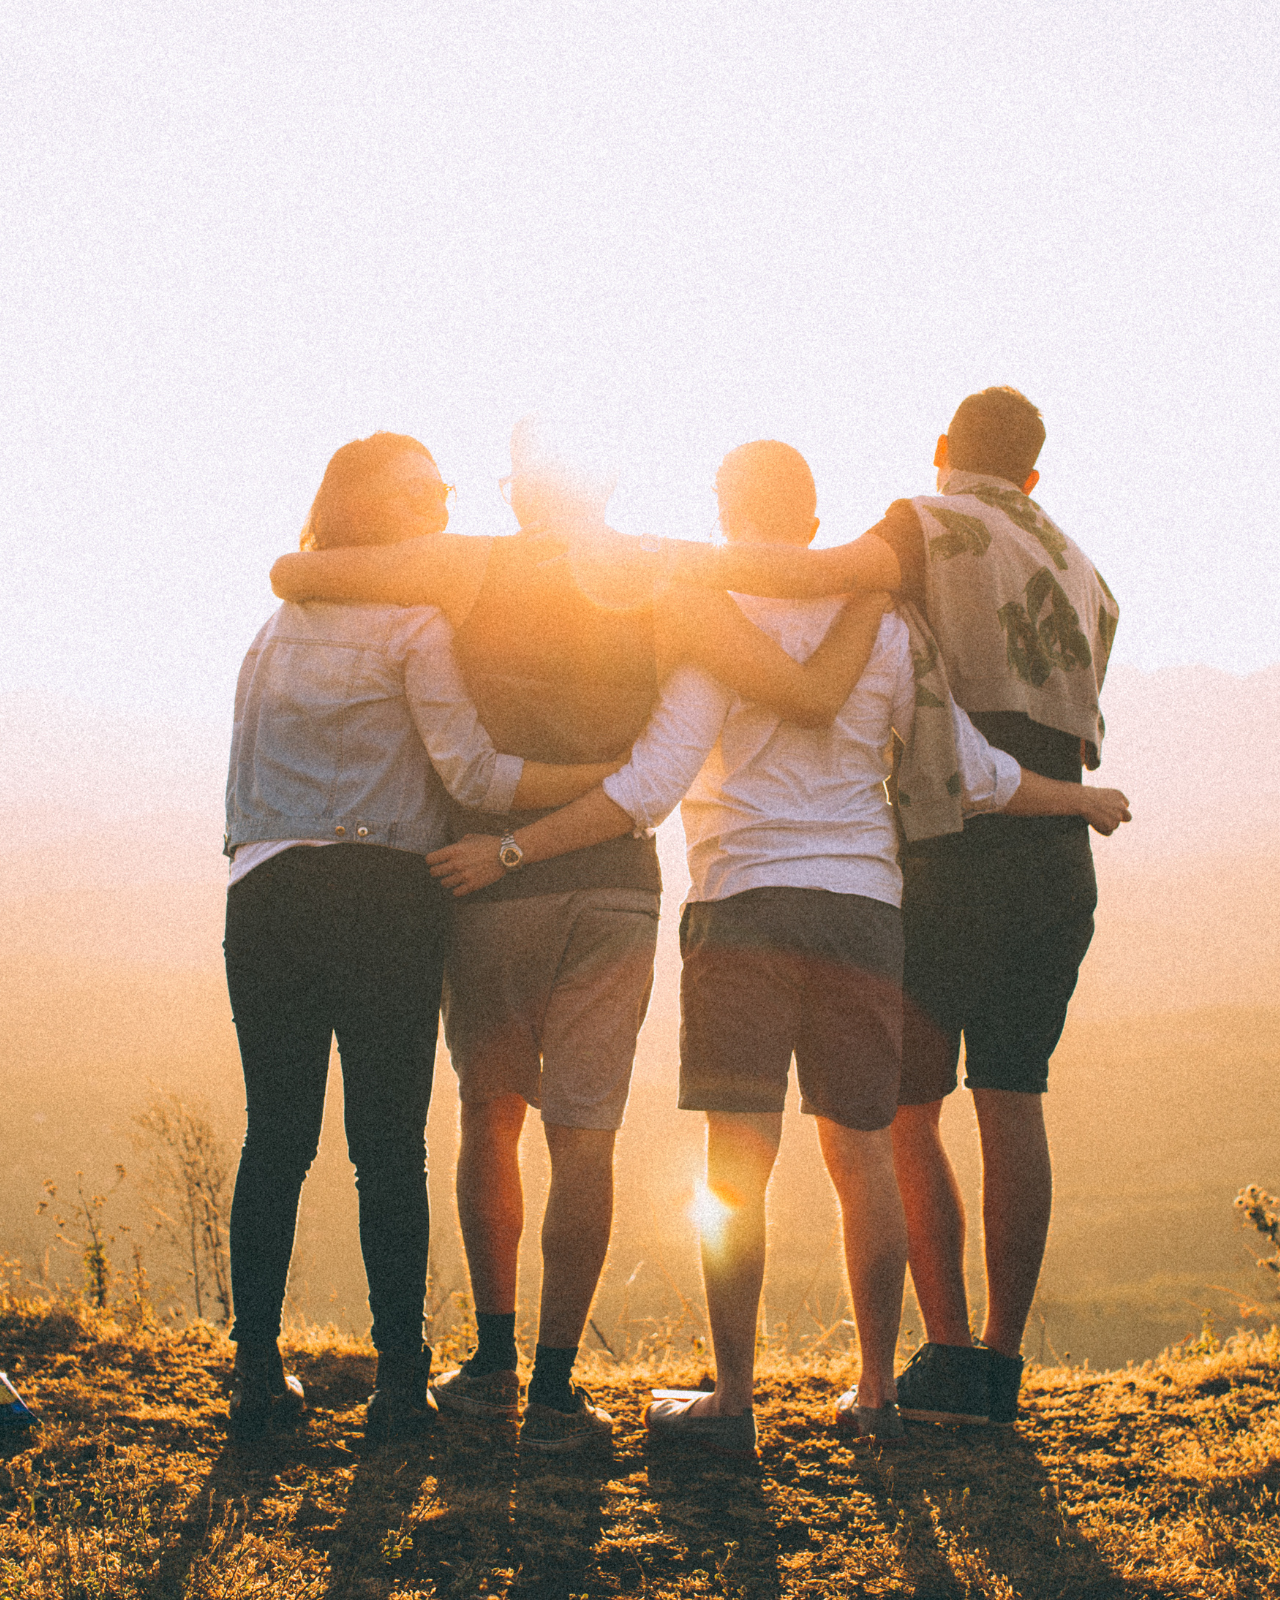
[[351, 722]]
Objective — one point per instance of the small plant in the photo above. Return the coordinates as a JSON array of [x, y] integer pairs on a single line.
[[190, 1173], [85, 1231], [1262, 1210]]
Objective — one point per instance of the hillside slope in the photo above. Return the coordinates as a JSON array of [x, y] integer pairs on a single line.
[[1155, 1481]]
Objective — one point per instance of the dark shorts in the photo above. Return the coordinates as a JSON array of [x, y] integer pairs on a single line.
[[994, 944], [774, 971]]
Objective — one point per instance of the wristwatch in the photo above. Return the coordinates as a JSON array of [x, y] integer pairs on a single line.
[[509, 852]]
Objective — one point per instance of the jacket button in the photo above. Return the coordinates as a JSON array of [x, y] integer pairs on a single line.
[[340, 830], [362, 833]]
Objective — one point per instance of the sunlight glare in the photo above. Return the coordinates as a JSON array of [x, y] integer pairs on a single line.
[[709, 1215]]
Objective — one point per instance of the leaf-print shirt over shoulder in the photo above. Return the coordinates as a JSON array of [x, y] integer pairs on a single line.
[[1024, 620]]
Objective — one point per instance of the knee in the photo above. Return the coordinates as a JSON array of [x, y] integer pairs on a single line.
[[277, 1151]]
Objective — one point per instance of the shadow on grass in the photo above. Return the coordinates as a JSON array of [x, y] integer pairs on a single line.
[[715, 1511], [557, 1522], [968, 1508]]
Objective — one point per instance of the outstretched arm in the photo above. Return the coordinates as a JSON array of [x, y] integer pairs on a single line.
[[708, 630], [784, 571], [1103, 809], [664, 762], [441, 569], [543, 783]]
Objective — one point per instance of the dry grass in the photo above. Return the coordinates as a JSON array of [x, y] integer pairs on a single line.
[[1156, 1481]]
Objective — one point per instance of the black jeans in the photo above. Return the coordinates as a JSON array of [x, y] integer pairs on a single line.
[[346, 940]]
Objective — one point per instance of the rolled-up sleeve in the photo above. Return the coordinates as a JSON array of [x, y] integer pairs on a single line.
[[989, 778], [473, 772], [674, 743]]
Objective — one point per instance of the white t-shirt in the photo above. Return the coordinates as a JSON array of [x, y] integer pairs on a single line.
[[771, 804]]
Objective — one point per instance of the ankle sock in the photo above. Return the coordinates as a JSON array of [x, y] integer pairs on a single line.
[[496, 1349], [552, 1369]]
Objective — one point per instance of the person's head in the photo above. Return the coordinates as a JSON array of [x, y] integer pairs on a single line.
[[766, 494], [559, 473], [378, 490], [997, 432]]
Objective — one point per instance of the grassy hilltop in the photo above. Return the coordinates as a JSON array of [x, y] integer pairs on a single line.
[[1160, 1480]]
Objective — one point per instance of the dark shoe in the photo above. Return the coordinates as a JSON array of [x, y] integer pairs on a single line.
[[264, 1397], [669, 1421], [484, 1397], [945, 1383], [881, 1423], [401, 1405], [552, 1431], [1004, 1379]]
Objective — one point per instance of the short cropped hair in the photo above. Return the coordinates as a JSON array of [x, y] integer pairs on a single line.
[[340, 512], [768, 484], [998, 432]]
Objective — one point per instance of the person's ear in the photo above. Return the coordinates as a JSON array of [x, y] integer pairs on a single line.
[[940, 454], [1032, 479]]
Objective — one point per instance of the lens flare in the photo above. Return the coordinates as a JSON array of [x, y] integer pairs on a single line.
[[709, 1214]]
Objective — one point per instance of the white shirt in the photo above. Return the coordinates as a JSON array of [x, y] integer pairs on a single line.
[[771, 804]]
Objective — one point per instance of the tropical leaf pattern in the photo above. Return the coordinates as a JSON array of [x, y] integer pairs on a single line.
[[923, 663], [1027, 515], [964, 536], [1037, 644]]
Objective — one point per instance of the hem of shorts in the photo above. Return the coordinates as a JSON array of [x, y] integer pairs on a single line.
[[586, 1127], [1010, 1088], [738, 1111], [855, 1127]]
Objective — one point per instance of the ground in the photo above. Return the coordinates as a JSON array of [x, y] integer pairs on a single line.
[[1161, 1480]]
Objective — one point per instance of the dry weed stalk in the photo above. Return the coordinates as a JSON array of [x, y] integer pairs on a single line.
[[190, 1172]]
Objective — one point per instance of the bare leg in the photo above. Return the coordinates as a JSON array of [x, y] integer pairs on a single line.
[[1017, 1197], [491, 1199], [875, 1247], [741, 1150], [575, 1229], [935, 1223]]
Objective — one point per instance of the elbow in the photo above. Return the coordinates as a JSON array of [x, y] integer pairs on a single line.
[[280, 578], [815, 712]]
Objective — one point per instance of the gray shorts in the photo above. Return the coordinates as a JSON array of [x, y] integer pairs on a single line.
[[544, 997], [773, 971]]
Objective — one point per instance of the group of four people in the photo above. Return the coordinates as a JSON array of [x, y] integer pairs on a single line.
[[509, 719]]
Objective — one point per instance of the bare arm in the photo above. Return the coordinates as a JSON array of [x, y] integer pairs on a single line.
[[543, 783], [1104, 809], [473, 862], [710, 631], [783, 570], [441, 569]]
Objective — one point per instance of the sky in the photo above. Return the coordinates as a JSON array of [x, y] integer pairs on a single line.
[[235, 237]]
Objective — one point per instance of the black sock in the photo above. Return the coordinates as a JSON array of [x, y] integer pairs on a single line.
[[496, 1350], [552, 1368]]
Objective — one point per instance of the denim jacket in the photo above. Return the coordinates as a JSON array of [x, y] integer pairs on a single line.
[[351, 721]]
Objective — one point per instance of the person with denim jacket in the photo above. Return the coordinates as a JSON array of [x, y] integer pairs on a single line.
[[351, 723]]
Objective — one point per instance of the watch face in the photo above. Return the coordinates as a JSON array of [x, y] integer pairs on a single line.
[[511, 855]]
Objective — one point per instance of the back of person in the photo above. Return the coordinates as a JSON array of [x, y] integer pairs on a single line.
[[557, 676], [325, 746], [804, 807]]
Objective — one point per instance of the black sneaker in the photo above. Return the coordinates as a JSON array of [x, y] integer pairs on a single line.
[[401, 1406], [264, 1397], [1004, 1379], [945, 1383]]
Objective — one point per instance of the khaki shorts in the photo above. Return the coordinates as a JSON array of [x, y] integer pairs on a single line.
[[544, 998]]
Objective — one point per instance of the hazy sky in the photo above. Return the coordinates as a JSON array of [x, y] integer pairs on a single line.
[[235, 237]]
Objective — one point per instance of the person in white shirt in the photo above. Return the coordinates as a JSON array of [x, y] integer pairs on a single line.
[[791, 941]]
